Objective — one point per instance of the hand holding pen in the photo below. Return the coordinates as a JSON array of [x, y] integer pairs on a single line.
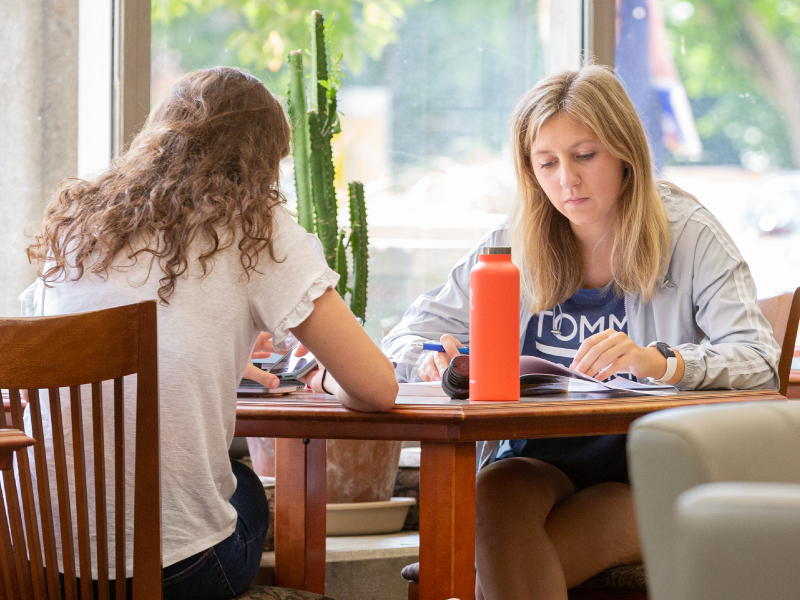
[[436, 362], [434, 347]]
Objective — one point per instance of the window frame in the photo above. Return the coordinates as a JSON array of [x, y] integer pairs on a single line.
[[578, 28], [113, 79]]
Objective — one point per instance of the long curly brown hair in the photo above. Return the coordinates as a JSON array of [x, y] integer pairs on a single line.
[[203, 170]]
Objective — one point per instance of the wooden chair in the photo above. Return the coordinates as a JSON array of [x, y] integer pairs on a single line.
[[48, 353], [783, 313], [628, 582]]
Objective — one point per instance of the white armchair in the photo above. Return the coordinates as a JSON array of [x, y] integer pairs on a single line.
[[717, 492]]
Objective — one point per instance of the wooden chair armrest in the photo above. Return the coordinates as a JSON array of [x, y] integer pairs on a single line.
[[12, 440]]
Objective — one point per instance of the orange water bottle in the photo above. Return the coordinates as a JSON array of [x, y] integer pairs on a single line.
[[494, 326]]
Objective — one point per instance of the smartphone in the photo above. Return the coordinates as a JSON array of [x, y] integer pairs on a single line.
[[290, 366], [287, 367]]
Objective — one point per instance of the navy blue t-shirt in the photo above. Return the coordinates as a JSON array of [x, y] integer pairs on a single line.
[[556, 335]]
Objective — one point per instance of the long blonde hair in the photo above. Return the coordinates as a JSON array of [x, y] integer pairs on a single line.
[[203, 169], [542, 241]]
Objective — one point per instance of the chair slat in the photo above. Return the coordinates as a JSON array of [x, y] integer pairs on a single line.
[[45, 502], [119, 487], [81, 500], [147, 564], [5, 588], [17, 535], [64, 509], [7, 568], [100, 492], [28, 504], [11, 581]]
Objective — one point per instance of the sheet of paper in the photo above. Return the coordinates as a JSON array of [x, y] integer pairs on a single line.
[[628, 384], [422, 388]]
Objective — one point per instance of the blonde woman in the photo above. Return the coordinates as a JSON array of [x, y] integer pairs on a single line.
[[620, 274]]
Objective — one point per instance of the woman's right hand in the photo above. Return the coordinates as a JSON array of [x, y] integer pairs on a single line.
[[436, 362], [263, 347]]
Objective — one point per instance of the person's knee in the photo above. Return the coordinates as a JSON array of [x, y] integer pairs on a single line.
[[613, 503], [612, 495], [520, 485], [524, 477]]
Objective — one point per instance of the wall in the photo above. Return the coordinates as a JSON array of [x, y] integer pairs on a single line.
[[38, 125]]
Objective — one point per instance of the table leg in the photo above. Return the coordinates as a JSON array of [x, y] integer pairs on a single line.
[[300, 490], [447, 521]]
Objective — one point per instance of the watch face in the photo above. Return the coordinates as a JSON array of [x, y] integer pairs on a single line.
[[665, 350]]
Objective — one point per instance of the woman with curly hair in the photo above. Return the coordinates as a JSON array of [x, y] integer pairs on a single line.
[[192, 215]]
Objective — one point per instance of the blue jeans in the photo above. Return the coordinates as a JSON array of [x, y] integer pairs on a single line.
[[227, 569]]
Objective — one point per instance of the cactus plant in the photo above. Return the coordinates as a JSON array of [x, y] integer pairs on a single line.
[[315, 120], [300, 142], [359, 240]]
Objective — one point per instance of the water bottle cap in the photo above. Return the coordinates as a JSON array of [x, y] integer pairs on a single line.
[[494, 250]]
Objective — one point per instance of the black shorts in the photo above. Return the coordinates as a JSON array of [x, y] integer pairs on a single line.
[[586, 460]]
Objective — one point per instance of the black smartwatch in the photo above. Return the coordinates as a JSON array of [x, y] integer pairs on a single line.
[[672, 360]]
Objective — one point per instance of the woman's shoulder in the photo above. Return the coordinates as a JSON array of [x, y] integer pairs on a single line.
[[684, 213], [287, 233], [679, 204], [691, 223], [497, 236]]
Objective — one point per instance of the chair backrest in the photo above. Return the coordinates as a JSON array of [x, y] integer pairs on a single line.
[[48, 353], [783, 312]]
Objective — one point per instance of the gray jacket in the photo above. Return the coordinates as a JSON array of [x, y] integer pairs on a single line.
[[705, 308]]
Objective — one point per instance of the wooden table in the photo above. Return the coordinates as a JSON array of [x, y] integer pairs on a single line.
[[794, 385], [447, 431]]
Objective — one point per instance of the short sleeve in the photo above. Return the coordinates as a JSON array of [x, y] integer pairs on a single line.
[[282, 292], [31, 300]]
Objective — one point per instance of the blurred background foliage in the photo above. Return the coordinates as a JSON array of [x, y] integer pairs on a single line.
[[740, 64], [739, 61], [259, 34], [454, 68]]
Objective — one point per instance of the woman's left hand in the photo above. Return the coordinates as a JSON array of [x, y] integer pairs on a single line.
[[262, 349], [609, 352], [268, 380]]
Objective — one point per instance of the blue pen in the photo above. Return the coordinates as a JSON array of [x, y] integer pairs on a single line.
[[434, 347]]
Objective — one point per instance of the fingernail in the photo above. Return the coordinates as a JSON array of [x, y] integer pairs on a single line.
[[274, 383]]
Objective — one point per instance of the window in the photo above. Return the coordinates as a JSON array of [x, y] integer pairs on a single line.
[[426, 100], [715, 97]]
